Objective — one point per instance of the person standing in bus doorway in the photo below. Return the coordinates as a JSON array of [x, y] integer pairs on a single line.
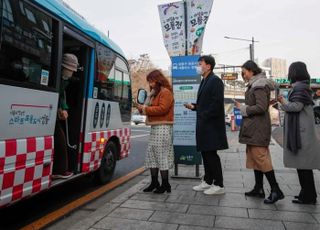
[[255, 130], [159, 111], [301, 146], [60, 162], [210, 126]]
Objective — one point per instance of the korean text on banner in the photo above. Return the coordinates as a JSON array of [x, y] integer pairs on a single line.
[[198, 15], [173, 27]]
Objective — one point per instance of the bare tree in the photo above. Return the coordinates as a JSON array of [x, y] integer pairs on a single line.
[[139, 69]]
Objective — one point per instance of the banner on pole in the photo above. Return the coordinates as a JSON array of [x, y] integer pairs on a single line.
[[172, 19], [183, 24], [198, 12]]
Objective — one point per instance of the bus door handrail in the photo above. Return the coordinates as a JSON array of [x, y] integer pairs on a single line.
[[67, 128]]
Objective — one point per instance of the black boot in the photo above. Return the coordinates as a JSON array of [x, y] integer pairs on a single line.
[[299, 201], [165, 186], [301, 194], [154, 180], [308, 193], [276, 193], [257, 191], [154, 185]]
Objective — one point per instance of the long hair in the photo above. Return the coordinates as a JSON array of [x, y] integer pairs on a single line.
[[298, 72], [252, 66], [159, 79]]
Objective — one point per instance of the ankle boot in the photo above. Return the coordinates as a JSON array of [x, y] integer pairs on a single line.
[[275, 195], [165, 187], [154, 185], [257, 191]]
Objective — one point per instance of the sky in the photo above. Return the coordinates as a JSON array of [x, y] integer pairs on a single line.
[[287, 29]]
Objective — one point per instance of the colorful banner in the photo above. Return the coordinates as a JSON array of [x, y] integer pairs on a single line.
[[173, 27], [198, 12]]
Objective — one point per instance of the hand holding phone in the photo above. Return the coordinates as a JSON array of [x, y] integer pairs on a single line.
[[236, 104], [281, 99], [188, 105]]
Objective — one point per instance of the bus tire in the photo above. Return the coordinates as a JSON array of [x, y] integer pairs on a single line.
[[108, 164]]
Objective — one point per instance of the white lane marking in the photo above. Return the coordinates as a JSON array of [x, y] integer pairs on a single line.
[[137, 136]]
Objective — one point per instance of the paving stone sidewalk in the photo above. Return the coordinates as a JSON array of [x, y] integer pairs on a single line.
[[185, 209]]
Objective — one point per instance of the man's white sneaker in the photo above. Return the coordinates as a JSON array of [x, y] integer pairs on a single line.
[[214, 190], [201, 187]]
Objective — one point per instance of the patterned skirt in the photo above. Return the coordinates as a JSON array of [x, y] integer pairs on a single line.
[[160, 148]]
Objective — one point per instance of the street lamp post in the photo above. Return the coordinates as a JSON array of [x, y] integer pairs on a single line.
[[251, 46]]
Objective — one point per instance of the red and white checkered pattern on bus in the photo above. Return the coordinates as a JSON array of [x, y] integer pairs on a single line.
[[25, 167], [93, 147]]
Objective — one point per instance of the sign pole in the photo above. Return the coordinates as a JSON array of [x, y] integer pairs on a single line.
[[185, 82], [183, 24]]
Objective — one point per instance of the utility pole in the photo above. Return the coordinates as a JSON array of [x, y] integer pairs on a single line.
[[251, 46]]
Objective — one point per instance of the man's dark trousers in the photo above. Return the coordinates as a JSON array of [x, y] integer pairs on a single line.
[[212, 168]]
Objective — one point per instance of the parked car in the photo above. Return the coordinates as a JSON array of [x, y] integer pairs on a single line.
[[137, 118], [228, 119]]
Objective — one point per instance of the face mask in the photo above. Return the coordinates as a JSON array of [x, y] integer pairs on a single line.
[[199, 70]]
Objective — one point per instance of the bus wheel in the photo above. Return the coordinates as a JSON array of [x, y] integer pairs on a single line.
[[108, 164]]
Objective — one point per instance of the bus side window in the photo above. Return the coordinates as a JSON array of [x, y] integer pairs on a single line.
[[112, 80], [26, 44], [123, 89], [104, 78]]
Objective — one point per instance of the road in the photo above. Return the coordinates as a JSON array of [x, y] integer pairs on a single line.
[[25, 212]]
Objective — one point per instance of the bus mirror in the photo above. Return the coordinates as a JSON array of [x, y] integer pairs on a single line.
[[142, 96]]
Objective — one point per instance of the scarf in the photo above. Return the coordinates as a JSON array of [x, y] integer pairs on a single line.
[[302, 93]]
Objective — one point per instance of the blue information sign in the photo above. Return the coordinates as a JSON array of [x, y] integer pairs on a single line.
[[184, 66]]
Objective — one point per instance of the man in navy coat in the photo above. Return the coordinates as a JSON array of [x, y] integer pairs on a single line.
[[210, 128]]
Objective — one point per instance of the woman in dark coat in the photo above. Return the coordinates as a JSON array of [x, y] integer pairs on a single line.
[[301, 149], [255, 131]]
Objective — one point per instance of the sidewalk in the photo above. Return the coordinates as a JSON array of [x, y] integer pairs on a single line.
[[185, 209]]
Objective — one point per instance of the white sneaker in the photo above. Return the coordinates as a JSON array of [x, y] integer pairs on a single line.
[[201, 187], [214, 190]]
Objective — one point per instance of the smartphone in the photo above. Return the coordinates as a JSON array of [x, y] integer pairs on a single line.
[[234, 100], [186, 104]]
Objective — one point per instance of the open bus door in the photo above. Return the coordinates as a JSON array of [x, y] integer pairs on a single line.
[[75, 95]]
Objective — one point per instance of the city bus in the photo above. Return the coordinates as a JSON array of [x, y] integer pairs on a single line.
[[34, 35]]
